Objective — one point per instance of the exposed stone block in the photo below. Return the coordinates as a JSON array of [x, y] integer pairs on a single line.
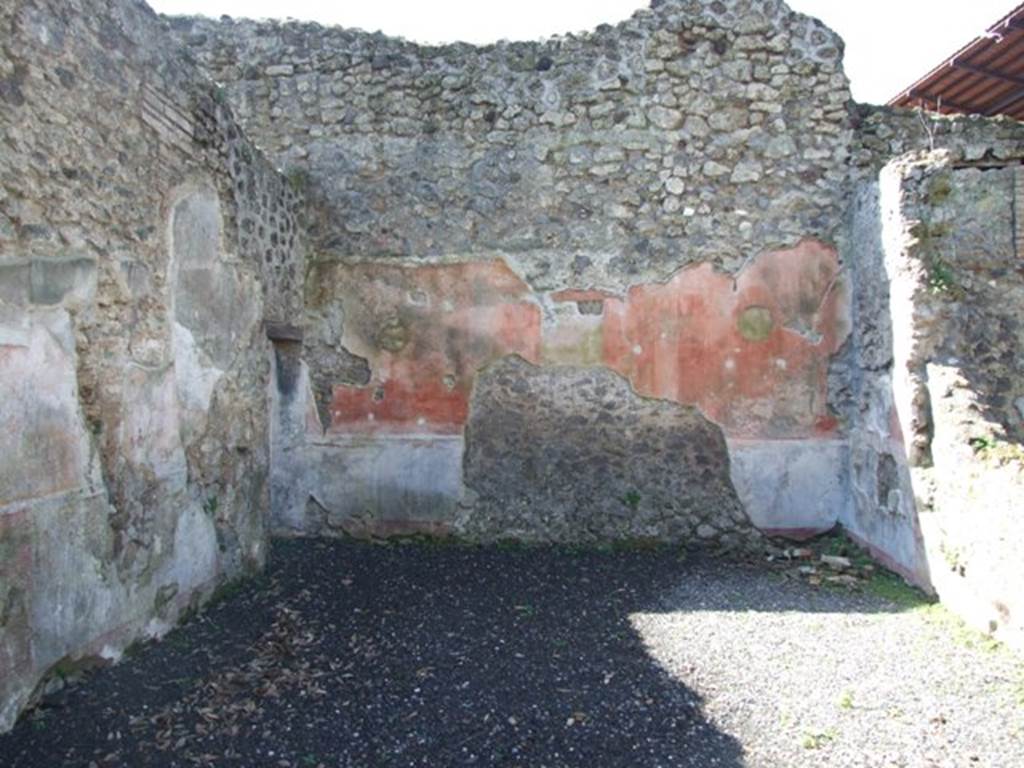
[[573, 454]]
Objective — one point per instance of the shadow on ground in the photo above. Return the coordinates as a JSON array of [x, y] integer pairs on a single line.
[[350, 654]]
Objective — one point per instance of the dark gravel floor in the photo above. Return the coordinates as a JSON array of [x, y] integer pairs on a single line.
[[349, 654]]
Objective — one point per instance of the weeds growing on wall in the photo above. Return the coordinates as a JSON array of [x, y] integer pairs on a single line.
[[996, 450]]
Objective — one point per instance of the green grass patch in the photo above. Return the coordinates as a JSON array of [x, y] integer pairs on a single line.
[[818, 739], [846, 699], [631, 499], [890, 586], [960, 631], [996, 450]]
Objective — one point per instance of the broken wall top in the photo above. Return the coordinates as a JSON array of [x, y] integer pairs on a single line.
[[691, 132]]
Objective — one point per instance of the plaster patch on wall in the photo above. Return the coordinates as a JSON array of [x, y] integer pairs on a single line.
[[151, 424], [16, 558], [195, 377], [796, 488], [216, 300], [387, 484], [215, 304], [42, 432]]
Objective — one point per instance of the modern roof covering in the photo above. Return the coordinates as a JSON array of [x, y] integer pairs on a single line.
[[985, 77]]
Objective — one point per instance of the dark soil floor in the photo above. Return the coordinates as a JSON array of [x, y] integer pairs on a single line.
[[354, 654]]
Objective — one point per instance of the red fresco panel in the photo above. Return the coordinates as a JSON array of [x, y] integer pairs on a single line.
[[751, 351], [682, 341], [425, 331]]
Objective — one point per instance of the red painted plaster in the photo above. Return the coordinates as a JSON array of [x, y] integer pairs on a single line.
[[796, 534], [681, 341], [425, 331]]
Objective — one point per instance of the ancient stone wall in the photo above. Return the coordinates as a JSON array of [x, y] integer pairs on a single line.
[[688, 198], [882, 134], [662, 281], [144, 242], [659, 198], [937, 465]]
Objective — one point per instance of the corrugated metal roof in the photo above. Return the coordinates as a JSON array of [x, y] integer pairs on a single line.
[[985, 77]]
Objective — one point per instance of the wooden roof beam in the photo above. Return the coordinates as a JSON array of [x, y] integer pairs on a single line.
[[989, 72], [1012, 98]]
